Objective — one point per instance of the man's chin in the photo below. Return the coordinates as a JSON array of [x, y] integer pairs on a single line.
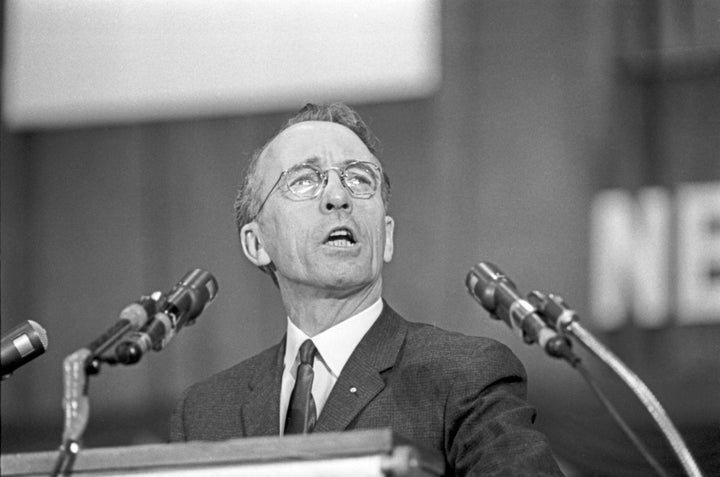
[[346, 282]]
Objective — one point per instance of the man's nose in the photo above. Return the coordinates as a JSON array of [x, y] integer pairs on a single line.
[[335, 196]]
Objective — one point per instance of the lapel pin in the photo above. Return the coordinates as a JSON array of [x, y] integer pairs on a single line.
[[353, 389]]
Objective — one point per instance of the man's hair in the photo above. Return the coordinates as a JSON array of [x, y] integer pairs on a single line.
[[248, 197]]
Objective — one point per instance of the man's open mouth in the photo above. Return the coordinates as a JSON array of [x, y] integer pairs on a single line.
[[340, 237]]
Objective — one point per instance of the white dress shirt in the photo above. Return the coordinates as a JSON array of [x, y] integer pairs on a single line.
[[334, 347]]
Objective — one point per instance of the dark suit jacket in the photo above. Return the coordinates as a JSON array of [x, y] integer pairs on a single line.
[[461, 395]]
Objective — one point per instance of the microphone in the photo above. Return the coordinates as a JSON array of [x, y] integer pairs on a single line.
[[179, 308], [190, 297], [131, 318], [23, 343], [498, 295]]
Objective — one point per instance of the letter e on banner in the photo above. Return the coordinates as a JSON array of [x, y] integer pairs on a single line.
[[698, 298]]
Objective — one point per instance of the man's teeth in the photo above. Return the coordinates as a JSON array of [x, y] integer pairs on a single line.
[[340, 242], [341, 239]]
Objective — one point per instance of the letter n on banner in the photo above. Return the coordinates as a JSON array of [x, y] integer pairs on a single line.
[[629, 258]]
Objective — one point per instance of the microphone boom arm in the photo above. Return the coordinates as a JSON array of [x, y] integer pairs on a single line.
[[565, 321]]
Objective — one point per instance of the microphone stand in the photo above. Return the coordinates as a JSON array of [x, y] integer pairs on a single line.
[[564, 320], [77, 367]]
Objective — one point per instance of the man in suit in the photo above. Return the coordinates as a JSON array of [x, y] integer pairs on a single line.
[[311, 212]]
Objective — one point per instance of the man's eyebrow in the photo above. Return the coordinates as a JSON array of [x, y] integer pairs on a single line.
[[316, 161]]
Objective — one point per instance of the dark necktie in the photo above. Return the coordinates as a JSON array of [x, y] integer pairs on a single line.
[[301, 414]]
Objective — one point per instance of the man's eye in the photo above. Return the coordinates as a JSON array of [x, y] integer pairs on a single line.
[[360, 179], [303, 180]]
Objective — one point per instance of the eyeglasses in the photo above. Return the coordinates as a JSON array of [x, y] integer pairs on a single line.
[[307, 181]]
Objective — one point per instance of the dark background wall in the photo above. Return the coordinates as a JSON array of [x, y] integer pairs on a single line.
[[542, 105]]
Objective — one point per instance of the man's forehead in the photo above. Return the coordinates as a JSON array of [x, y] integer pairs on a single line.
[[314, 140]]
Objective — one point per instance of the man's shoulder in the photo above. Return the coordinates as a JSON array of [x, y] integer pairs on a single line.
[[430, 343], [440, 340]]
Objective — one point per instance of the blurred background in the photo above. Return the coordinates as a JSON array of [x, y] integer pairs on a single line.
[[573, 143]]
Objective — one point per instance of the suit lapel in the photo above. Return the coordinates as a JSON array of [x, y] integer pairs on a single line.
[[360, 380], [261, 411]]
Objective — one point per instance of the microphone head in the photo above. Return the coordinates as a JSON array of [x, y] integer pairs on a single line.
[[191, 295], [482, 281], [128, 352], [23, 343], [41, 334]]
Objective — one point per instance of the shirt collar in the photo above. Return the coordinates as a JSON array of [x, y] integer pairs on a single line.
[[336, 344]]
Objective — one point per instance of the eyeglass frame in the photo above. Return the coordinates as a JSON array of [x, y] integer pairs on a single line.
[[324, 174]]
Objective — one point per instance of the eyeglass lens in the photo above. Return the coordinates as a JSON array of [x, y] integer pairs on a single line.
[[306, 181]]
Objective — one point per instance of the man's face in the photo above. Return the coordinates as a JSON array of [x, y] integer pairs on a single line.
[[334, 242]]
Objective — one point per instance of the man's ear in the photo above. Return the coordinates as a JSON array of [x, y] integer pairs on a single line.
[[252, 245], [389, 243]]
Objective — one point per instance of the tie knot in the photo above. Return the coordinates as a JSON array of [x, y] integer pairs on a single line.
[[307, 352]]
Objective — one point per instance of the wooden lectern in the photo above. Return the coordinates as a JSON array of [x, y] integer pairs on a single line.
[[376, 452]]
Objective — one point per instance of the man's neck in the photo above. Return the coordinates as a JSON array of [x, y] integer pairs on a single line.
[[314, 312]]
